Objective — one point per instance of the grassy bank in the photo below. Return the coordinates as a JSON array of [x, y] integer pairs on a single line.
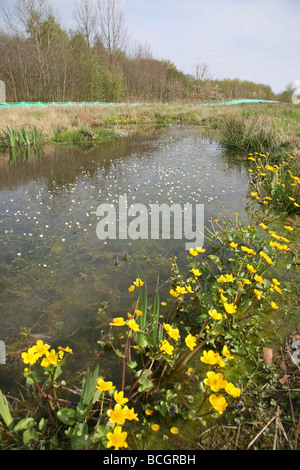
[[241, 128]]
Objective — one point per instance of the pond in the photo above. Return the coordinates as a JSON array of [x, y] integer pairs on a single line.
[[59, 280]]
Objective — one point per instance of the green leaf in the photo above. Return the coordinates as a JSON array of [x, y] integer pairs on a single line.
[[66, 416], [146, 385], [89, 386], [4, 410], [30, 435], [26, 423], [131, 365]]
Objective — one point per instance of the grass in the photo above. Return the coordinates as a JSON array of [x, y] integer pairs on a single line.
[[249, 127]]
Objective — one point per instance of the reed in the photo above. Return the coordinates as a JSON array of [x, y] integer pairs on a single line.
[[22, 137]]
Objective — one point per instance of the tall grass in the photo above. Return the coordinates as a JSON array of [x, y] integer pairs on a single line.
[[240, 134], [22, 137]]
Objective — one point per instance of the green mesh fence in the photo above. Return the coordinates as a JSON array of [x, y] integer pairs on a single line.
[[25, 104]]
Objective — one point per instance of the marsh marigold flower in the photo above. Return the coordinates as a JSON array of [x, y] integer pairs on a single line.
[[230, 308], [133, 325], [30, 357], [50, 359], [105, 386], [174, 293], [214, 314], [166, 347], [155, 427], [212, 358], [226, 352], [117, 438], [119, 321], [41, 348], [215, 381], [190, 341], [172, 332], [117, 415], [119, 398], [232, 390], [174, 430], [218, 402], [138, 282]]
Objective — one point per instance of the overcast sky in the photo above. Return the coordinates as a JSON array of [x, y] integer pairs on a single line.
[[257, 40]]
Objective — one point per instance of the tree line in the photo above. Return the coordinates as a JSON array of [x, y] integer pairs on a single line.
[[97, 60]]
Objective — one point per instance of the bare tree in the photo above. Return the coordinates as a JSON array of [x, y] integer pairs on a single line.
[[111, 21], [84, 15]]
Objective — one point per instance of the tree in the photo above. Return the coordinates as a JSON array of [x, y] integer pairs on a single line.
[[84, 15], [111, 22]]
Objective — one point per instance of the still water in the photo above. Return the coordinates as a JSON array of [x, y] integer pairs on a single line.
[[58, 279]]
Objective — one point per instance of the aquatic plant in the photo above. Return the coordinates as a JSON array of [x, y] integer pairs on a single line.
[[22, 137]]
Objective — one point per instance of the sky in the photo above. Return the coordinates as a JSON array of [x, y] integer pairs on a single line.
[[257, 40]]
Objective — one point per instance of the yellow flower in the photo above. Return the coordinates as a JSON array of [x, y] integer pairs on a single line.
[[226, 278], [200, 250], [230, 308], [41, 348], [117, 438], [117, 415], [232, 390], [131, 288], [193, 252], [163, 304], [196, 272], [130, 414], [104, 386], [166, 347], [273, 305], [218, 402], [258, 294], [133, 325], [138, 282], [155, 427], [50, 359], [258, 279], [212, 358], [181, 290], [287, 227], [174, 293], [190, 341], [148, 412], [119, 398], [266, 257], [226, 352], [251, 268], [172, 332], [119, 321], [233, 245], [215, 315], [174, 430], [215, 381], [30, 357], [263, 226], [139, 313], [248, 250]]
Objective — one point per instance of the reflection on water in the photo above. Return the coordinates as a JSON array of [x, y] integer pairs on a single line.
[[56, 275]]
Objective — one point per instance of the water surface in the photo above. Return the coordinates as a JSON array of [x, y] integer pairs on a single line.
[[56, 273]]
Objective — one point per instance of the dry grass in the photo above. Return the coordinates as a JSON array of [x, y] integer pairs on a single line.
[[281, 120]]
